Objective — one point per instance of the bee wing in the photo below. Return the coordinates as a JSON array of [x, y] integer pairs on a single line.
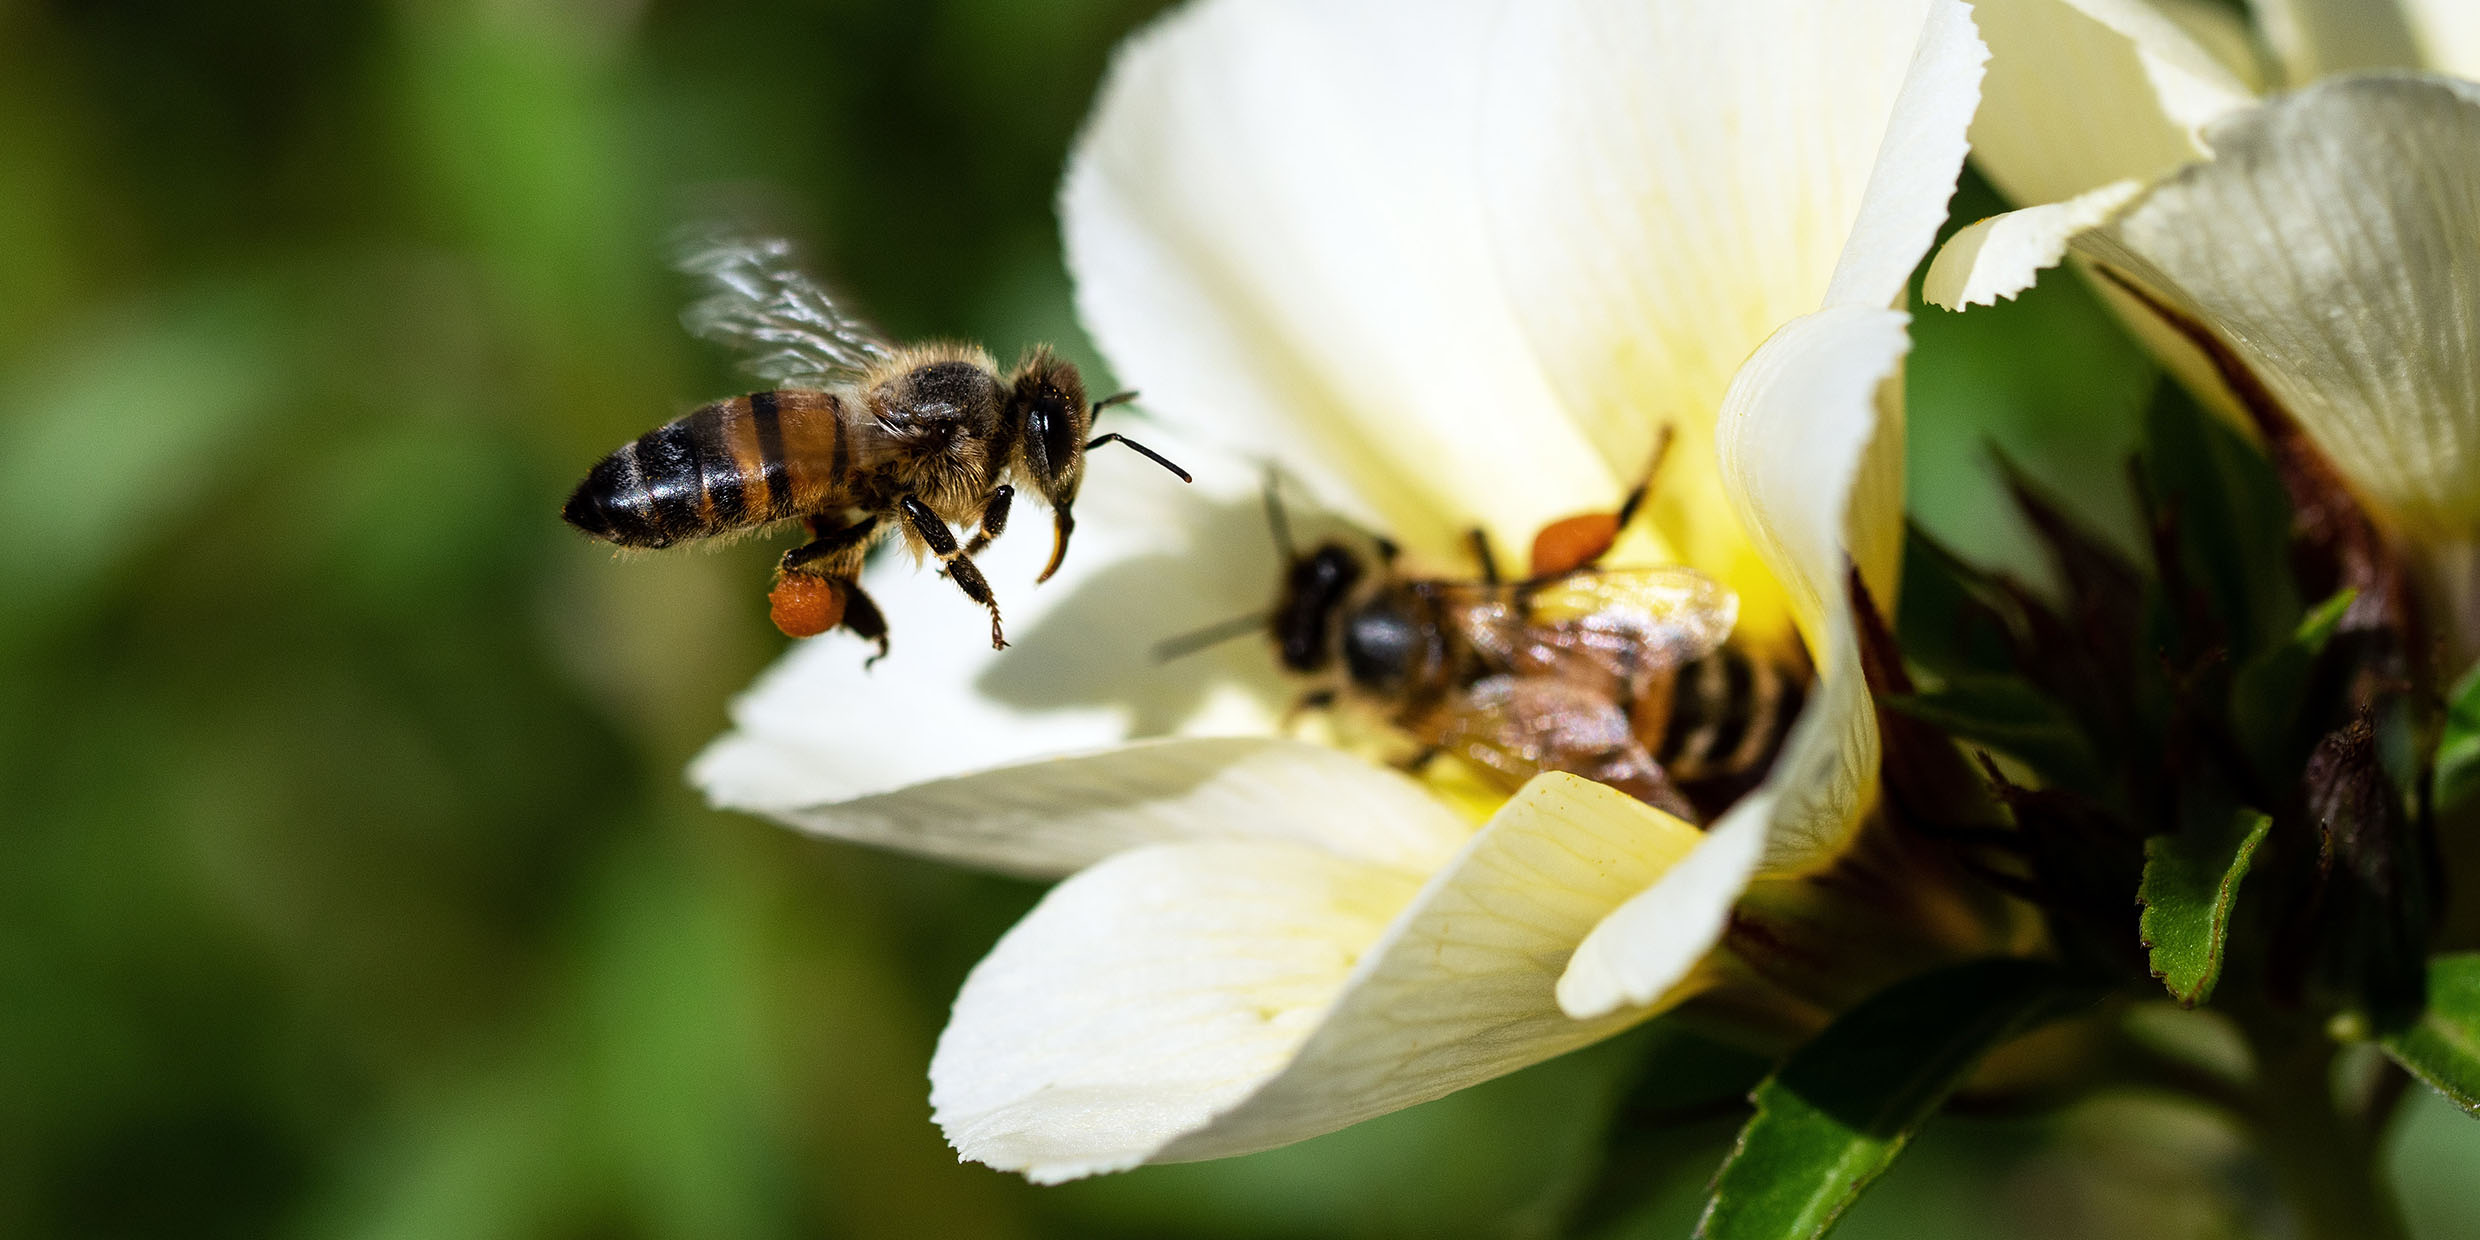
[[759, 301], [1623, 623], [1520, 726]]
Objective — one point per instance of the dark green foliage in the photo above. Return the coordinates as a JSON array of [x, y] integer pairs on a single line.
[[2458, 747], [2442, 1047], [2191, 883], [1835, 1115]]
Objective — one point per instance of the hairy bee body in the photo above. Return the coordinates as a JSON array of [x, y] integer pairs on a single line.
[[1716, 723], [931, 426], [1622, 676], [859, 438]]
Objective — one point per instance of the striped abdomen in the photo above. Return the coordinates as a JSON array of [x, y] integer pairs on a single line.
[[733, 465], [1722, 716]]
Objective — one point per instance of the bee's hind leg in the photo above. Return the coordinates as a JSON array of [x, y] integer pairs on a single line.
[[960, 567], [863, 618], [826, 542], [835, 553]]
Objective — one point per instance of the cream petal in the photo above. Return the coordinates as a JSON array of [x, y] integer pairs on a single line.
[[1651, 945], [1670, 183], [2081, 93], [2448, 33], [1806, 447], [1051, 818], [2317, 38], [1272, 226], [1812, 440], [1146, 995], [2334, 243], [822, 727], [1919, 157], [2003, 255], [1203, 1000]]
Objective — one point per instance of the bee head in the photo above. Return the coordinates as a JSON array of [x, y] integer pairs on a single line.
[[1313, 593], [1048, 409], [1050, 415]]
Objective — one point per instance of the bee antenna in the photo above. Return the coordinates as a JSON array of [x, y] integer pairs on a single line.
[[1115, 398], [1214, 634], [1148, 453], [1277, 520]]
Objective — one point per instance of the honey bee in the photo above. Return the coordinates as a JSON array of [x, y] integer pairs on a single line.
[[858, 439], [1623, 676]]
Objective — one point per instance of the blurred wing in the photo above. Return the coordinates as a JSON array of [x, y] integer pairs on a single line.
[[1616, 622], [1520, 726], [760, 302]]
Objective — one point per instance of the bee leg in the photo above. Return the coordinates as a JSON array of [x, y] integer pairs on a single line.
[[960, 567], [863, 618], [1573, 544], [1482, 552], [1644, 485], [994, 520], [828, 542]]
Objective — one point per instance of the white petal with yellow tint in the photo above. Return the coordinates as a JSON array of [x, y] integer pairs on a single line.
[[1273, 228], [1050, 818], [824, 726], [1202, 1000], [1814, 454], [2001, 256], [1815, 464], [1649, 947], [2448, 32], [2334, 243], [2081, 93], [1670, 183]]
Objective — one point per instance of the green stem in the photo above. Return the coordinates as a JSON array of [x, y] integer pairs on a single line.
[[2324, 1160]]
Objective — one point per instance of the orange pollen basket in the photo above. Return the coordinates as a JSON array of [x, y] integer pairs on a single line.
[[804, 605]]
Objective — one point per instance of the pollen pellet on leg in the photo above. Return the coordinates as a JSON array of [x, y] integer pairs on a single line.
[[1571, 543], [805, 605]]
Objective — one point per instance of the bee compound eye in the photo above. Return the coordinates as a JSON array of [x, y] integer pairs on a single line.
[[1060, 435]]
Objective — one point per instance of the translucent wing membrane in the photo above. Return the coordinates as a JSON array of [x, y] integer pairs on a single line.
[[1622, 622], [760, 302]]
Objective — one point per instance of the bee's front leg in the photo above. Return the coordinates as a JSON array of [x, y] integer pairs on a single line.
[[994, 520], [960, 567]]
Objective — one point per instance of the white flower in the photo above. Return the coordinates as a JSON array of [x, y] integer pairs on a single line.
[[1453, 265], [2089, 101], [2327, 237]]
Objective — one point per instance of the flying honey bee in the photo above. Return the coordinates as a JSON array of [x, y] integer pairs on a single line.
[[858, 439], [1623, 676]]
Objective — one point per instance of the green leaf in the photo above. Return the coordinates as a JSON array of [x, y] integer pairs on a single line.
[[2265, 699], [2458, 750], [2442, 1047], [2011, 716], [2191, 880], [1839, 1111]]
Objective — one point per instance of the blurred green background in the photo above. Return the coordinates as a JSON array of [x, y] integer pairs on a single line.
[[349, 884]]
